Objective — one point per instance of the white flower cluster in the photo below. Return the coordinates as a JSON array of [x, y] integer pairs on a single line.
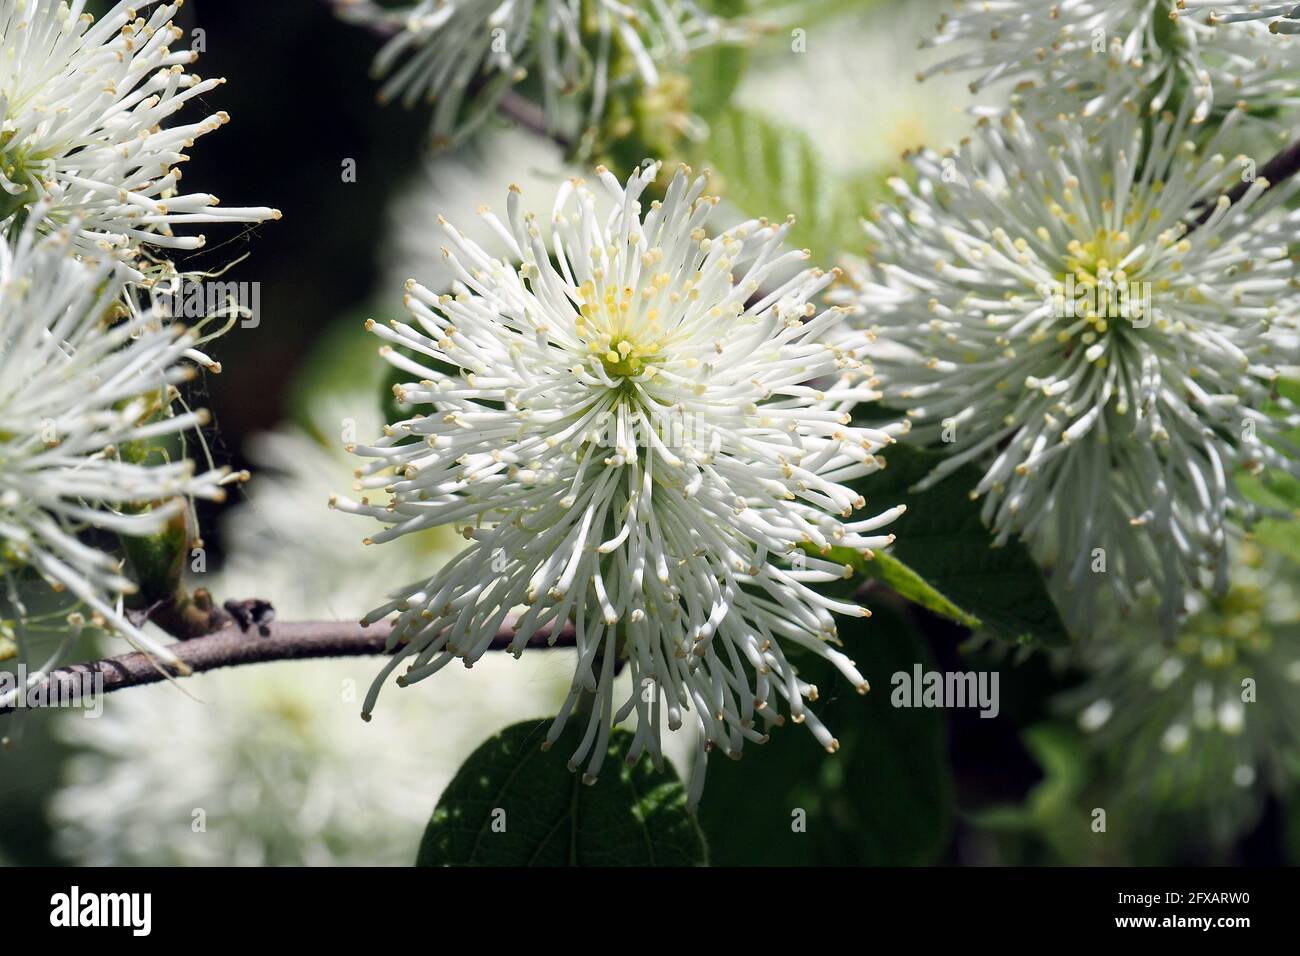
[[85, 103], [90, 445], [640, 434], [1282, 15], [1086, 316], [85, 391], [465, 55], [269, 766], [1209, 723], [1070, 52]]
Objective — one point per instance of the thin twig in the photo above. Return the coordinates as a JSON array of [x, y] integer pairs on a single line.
[[233, 647], [341, 7], [530, 116], [519, 109], [1281, 167]]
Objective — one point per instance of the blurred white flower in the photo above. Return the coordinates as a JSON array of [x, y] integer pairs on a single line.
[[632, 429], [1283, 15], [1107, 363], [1209, 722], [449, 185], [275, 756], [465, 55], [85, 391], [269, 764], [285, 516], [84, 107], [873, 75], [1074, 50]]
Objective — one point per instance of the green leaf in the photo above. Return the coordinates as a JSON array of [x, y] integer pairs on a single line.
[[770, 170], [717, 70], [884, 799], [788, 14], [1053, 824], [1279, 536], [513, 804], [903, 581], [1277, 491], [943, 559]]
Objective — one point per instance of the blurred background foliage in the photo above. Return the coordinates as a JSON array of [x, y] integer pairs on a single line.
[[810, 119]]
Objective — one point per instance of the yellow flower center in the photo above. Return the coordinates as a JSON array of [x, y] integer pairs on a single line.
[[1096, 260], [621, 329]]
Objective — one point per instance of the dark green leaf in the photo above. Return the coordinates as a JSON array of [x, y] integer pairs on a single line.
[[769, 170], [884, 799], [943, 559], [1277, 491], [716, 71], [513, 804], [901, 579]]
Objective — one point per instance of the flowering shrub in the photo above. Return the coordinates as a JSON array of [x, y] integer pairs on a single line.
[[723, 420]]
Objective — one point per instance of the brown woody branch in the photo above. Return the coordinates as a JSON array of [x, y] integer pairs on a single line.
[[1282, 166], [511, 105], [233, 646]]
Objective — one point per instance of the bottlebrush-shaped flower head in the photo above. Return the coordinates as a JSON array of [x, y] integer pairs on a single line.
[[86, 105], [86, 388], [465, 55], [1098, 52], [1206, 725], [1087, 317], [641, 428]]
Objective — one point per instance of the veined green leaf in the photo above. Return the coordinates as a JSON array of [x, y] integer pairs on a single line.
[[514, 804], [943, 557], [770, 170], [885, 798]]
